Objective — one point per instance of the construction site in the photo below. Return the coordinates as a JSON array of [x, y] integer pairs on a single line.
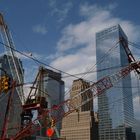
[[36, 115]]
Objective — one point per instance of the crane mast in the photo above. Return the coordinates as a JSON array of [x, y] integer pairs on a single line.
[[7, 113], [37, 100], [14, 63], [129, 54]]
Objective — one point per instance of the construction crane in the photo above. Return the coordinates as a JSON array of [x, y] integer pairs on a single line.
[[129, 54], [14, 63], [70, 105], [7, 87], [48, 117], [29, 127], [37, 100]]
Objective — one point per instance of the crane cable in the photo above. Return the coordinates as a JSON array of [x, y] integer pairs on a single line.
[[99, 62], [70, 75], [34, 59]]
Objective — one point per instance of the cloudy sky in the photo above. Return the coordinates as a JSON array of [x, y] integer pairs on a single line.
[[61, 33]]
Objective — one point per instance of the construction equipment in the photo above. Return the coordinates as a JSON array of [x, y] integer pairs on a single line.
[[48, 117], [14, 63], [66, 107], [38, 101], [11, 90], [130, 56], [35, 101], [72, 104]]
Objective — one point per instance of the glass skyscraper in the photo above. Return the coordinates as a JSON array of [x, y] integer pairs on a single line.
[[115, 105], [52, 86]]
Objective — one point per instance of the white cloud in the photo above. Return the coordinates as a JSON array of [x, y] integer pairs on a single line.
[[83, 34], [41, 29], [75, 63], [60, 12], [81, 37], [98, 19], [64, 11], [77, 44], [52, 3]]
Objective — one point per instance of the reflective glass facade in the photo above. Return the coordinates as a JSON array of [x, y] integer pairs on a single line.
[[54, 87], [16, 109], [115, 105]]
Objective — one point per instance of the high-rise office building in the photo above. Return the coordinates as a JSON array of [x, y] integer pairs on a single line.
[[78, 86], [14, 117], [53, 90], [115, 105], [80, 125], [54, 86]]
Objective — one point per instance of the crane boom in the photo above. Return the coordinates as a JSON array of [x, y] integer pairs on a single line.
[[73, 104], [129, 54], [14, 64], [56, 112], [8, 109]]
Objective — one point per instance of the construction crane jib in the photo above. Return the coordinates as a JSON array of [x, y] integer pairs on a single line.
[[72, 104], [57, 112], [13, 60], [102, 85]]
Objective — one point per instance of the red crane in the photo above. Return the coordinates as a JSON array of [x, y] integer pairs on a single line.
[[7, 88], [63, 109], [72, 104], [66, 107], [15, 71], [38, 103], [13, 61]]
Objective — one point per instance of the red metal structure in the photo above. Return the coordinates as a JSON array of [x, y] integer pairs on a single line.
[[72, 104], [8, 108], [130, 56], [63, 109], [35, 102], [13, 62]]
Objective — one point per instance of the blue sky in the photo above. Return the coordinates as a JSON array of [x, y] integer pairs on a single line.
[[59, 32]]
